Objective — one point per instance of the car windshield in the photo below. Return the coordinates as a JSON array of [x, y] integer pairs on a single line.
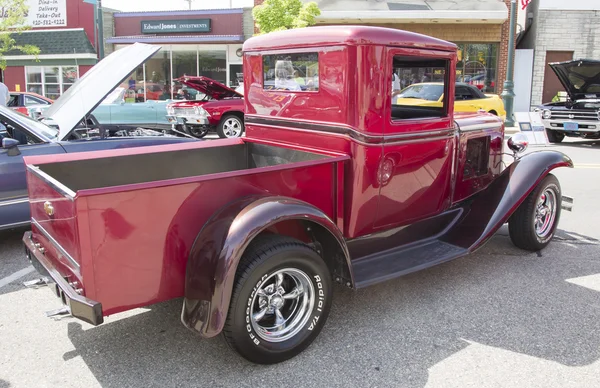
[[39, 128], [430, 92]]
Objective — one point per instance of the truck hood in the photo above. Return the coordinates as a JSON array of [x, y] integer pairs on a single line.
[[89, 91], [210, 87], [580, 78]]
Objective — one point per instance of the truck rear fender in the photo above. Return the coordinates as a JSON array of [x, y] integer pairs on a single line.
[[219, 246], [488, 210]]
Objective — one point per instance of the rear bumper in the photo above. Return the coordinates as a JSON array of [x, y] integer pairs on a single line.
[[80, 307]]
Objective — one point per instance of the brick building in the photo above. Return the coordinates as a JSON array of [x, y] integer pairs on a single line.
[[65, 33], [479, 27], [557, 31]]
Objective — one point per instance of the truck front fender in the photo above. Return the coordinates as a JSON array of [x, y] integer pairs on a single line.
[[215, 255], [488, 210]]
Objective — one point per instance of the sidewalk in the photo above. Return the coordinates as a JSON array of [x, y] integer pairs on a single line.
[[508, 131]]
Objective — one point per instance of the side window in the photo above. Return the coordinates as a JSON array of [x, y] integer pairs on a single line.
[[13, 101], [293, 72], [422, 83], [463, 93], [32, 101]]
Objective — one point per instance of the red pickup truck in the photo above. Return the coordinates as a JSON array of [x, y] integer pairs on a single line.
[[333, 183]]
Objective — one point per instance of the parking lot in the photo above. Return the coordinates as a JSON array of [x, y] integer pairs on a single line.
[[499, 318]]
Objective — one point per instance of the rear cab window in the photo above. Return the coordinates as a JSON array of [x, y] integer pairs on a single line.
[[291, 72]]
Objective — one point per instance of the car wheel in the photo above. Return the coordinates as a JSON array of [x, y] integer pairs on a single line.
[[230, 126], [554, 137], [533, 224], [280, 302], [195, 131]]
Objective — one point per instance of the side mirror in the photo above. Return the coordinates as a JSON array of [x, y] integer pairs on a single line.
[[11, 145], [518, 143]]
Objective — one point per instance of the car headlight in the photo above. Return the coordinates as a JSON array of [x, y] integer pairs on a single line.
[[546, 114]]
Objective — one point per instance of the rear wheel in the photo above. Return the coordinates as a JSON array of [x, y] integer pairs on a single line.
[[281, 299], [533, 224], [493, 112], [554, 137], [230, 126]]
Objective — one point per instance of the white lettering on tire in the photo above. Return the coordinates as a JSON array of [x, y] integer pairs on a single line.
[[320, 302], [248, 306]]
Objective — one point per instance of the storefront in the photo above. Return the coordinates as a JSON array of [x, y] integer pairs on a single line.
[[479, 28], [64, 32], [205, 43]]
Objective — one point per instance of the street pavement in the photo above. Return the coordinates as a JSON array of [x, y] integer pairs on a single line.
[[501, 317]]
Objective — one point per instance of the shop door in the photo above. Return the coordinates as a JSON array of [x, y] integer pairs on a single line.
[[552, 84]]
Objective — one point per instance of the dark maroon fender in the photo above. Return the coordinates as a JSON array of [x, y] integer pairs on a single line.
[[488, 210], [215, 255]]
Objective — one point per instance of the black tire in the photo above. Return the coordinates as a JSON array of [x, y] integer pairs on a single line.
[[260, 263], [227, 120], [521, 225], [493, 112], [554, 137], [195, 131]]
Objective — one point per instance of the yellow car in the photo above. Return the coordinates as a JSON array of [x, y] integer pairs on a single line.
[[467, 98]]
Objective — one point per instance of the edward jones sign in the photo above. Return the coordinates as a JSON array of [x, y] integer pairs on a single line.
[[43, 13], [168, 26]]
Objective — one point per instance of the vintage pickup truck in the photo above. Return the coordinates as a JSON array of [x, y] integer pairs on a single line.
[[333, 183]]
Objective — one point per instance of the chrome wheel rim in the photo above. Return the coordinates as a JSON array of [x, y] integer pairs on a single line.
[[232, 127], [282, 305], [545, 213]]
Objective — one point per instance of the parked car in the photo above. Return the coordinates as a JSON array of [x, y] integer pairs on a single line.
[[252, 232], [69, 132], [467, 98], [579, 115], [219, 109], [23, 101]]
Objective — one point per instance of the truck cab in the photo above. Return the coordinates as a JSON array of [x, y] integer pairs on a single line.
[[335, 182]]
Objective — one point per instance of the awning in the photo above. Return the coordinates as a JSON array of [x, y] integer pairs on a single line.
[[412, 11]]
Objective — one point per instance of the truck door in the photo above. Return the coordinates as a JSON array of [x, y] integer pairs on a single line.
[[416, 168]]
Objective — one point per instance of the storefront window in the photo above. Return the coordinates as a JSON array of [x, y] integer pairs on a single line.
[[158, 76], [236, 75], [477, 64], [213, 64], [50, 81]]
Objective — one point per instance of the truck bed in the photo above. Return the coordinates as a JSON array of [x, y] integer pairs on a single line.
[[129, 217]]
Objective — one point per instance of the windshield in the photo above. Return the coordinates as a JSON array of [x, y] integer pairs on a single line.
[[430, 92], [40, 129]]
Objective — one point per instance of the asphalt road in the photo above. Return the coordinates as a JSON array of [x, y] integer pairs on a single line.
[[499, 318]]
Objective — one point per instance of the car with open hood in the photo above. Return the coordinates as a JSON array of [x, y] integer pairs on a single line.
[[579, 115], [67, 127], [216, 108]]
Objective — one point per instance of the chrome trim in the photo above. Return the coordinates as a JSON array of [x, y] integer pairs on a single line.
[[478, 127], [16, 224], [14, 201], [56, 185], [55, 243]]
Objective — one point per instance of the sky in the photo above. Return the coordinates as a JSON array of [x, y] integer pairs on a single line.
[[165, 5]]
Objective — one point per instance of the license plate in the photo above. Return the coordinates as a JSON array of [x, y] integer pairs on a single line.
[[571, 126]]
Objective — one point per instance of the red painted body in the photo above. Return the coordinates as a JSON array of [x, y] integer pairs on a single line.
[[143, 243]]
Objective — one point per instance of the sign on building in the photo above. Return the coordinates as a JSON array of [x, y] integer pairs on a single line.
[[44, 13], [168, 26]]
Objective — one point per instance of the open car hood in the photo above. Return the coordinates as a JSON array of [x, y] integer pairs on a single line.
[[89, 91], [580, 78], [210, 87]]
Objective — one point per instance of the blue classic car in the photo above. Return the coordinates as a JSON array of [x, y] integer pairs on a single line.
[[66, 128]]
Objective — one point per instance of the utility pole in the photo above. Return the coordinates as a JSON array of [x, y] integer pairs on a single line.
[[508, 94], [100, 30], [190, 4]]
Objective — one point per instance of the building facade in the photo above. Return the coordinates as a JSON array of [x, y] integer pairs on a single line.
[[64, 30], [195, 42], [480, 28], [557, 31]]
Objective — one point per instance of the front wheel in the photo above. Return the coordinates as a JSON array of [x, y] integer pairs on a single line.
[[230, 126], [281, 299], [195, 131], [533, 224], [554, 137]]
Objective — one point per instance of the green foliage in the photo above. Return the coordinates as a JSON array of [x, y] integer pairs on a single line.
[[277, 15], [15, 16]]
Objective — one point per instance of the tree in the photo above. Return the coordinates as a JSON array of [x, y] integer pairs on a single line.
[[277, 15], [12, 20]]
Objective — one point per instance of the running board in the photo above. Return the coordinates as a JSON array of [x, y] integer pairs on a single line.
[[402, 261]]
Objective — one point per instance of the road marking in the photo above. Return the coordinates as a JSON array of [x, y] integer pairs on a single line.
[[17, 275], [591, 281]]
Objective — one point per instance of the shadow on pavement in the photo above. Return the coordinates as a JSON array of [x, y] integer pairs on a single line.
[[396, 331]]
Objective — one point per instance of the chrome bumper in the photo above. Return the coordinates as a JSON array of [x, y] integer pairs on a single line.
[[585, 126], [78, 305], [188, 120]]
